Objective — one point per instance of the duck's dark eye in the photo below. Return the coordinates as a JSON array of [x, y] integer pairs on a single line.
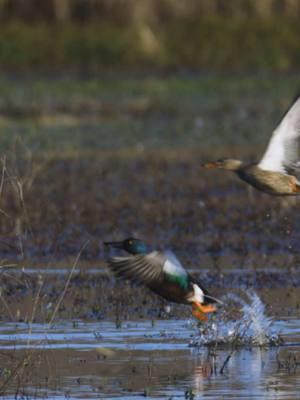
[[130, 241]]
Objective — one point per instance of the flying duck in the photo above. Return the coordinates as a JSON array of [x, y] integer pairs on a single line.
[[163, 273], [276, 173]]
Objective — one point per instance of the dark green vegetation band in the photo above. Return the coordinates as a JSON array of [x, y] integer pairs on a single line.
[[212, 43]]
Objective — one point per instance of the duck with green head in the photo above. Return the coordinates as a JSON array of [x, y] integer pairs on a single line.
[[163, 273], [278, 172]]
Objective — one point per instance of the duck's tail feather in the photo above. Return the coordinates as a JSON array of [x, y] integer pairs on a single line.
[[211, 299]]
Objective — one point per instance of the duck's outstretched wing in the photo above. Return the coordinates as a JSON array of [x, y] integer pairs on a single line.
[[283, 149], [147, 269]]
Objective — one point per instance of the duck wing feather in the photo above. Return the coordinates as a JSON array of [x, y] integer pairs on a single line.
[[147, 269], [283, 149]]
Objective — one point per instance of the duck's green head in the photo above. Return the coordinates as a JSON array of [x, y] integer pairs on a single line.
[[131, 245]]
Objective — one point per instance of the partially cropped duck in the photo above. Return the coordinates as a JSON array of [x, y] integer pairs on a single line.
[[163, 273], [276, 173]]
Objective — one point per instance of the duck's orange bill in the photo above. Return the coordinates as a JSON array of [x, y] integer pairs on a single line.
[[199, 311]]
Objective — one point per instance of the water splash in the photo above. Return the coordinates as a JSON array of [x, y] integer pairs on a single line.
[[243, 323]]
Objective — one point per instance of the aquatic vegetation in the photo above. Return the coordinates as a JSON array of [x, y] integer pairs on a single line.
[[251, 328], [175, 43]]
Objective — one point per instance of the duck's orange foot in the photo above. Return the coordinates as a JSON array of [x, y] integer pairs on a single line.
[[199, 314], [199, 310]]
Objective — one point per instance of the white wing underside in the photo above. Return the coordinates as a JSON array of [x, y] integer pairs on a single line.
[[172, 265], [283, 148]]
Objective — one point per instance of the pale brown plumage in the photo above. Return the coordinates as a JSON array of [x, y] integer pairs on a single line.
[[277, 171]]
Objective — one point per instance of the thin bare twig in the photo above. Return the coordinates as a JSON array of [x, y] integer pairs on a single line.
[[14, 373], [6, 306], [36, 300], [66, 285], [234, 349], [18, 370], [2, 174], [13, 278]]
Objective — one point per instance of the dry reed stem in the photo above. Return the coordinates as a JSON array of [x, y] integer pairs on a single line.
[[6, 306], [66, 285], [234, 344], [35, 304], [18, 370]]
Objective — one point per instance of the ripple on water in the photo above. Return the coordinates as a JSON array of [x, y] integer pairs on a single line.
[[92, 360]]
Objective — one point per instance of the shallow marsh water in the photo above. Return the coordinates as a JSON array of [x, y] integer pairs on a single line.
[[120, 157], [97, 360]]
